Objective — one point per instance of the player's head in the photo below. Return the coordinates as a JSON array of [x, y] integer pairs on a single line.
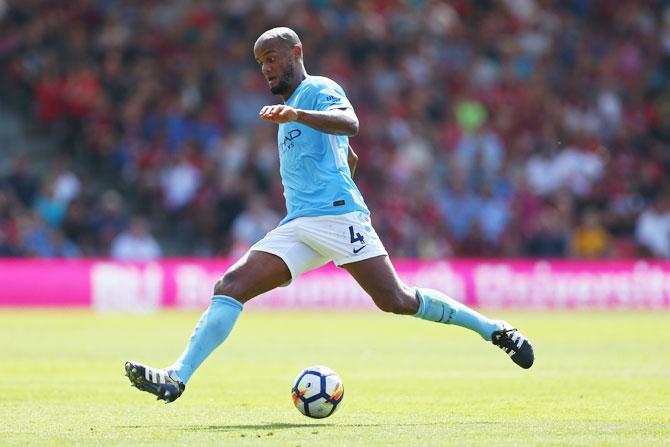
[[278, 51]]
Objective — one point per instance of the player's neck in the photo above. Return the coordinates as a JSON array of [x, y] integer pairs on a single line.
[[294, 85]]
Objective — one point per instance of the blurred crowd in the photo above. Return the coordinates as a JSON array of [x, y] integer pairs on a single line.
[[517, 128]]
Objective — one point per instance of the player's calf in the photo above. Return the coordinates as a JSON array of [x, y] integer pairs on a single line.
[[438, 307], [397, 300]]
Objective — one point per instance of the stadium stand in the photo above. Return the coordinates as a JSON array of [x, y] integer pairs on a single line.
[[541, 132]]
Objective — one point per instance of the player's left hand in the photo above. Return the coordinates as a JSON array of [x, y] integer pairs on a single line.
[[278, 113]]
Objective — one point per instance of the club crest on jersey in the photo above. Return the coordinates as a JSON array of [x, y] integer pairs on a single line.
[[289, 137]]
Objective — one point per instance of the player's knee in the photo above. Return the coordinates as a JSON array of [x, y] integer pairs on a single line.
[[387, 305], [397, 301], [221, 286], [231, 284]]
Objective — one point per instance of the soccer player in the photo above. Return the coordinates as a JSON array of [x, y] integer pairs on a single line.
[[327, 220]]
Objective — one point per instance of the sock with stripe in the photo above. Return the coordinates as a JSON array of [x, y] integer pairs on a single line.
[[438, 307], [213, 328]]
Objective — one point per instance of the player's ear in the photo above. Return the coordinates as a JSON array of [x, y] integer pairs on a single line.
[[297, 51]]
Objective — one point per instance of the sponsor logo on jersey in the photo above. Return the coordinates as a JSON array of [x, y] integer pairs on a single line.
[[289, 139]]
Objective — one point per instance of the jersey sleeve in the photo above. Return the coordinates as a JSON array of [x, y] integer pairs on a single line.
[[331, 97]]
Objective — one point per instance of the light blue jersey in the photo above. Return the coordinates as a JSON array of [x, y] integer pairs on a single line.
[[313, 165]]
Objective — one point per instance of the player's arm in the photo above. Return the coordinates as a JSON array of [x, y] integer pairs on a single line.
[[334, 122], [352, 160]]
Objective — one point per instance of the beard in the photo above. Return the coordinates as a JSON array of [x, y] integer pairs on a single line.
[[284, 84]]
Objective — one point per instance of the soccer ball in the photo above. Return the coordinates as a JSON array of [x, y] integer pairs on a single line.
[[317, 391]]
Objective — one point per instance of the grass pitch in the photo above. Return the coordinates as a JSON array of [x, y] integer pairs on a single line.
[[599, 379]]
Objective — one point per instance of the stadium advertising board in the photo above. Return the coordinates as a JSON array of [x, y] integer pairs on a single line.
[[187, 283]]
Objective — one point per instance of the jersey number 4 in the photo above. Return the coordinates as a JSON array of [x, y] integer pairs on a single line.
[[357, 237]]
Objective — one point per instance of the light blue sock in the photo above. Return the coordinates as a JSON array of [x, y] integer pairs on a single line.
[[438, 307], [212, 329]]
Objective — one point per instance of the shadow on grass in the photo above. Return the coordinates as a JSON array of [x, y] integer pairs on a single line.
[[251, 427], [268, 426], [284, 425]]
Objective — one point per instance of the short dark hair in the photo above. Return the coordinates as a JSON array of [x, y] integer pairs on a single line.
[[282, 33]]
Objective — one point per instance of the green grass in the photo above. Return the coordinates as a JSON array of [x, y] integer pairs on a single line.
[[599, 379]]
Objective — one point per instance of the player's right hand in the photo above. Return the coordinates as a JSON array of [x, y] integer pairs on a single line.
[[278, 113]]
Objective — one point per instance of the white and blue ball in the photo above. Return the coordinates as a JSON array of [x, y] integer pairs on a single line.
[[317, 391]]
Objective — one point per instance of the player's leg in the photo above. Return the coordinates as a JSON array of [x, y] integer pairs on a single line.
[[257, 272], [351, 241], [378, 278], [274, 261]]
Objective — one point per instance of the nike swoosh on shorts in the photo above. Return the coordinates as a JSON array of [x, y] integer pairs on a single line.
[[359, 249]]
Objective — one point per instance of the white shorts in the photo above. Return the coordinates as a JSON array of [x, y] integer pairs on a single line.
[[306, 243]]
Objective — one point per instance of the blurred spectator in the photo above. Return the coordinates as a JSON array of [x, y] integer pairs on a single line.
[[540, 172], [590, 239], [577, 169], [50, 208], [479, 149], [10, 207], [549, 240], [135, 243], [493, 215], [22, 181], [66, 184], [180, 180], [252, 224], [572, 167], [108, 218], [459, 205], [47, 242], [653, 227]]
